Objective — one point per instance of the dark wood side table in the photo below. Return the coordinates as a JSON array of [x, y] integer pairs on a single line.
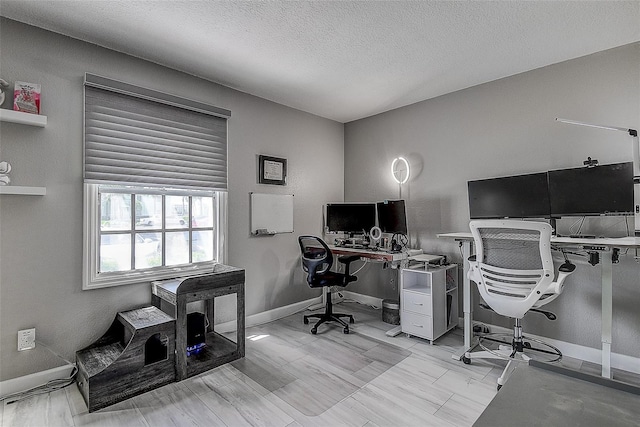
[[172, 297]]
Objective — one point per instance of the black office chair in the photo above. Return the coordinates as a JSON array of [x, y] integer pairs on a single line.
[[317, 260]]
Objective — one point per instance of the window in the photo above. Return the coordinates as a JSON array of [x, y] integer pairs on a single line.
[[167, 233], [155, 173]]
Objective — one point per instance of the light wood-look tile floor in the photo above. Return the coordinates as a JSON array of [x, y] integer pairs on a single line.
[[292, 378]]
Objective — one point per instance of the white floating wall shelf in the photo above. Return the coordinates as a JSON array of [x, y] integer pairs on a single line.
[[22, 118], [24, 191]]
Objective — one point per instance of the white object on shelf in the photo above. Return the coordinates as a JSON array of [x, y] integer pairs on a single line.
[[22, 118], [25, 119], [426, 258], [429, 304], [24, 191], [5, 168]]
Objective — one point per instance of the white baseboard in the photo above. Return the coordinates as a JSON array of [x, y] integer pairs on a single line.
[[269, 315], [587, 354], [280, 312], [312, 304], [362, 299], [36, 379]]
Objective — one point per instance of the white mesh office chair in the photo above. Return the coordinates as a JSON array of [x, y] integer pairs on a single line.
[[513, 270]]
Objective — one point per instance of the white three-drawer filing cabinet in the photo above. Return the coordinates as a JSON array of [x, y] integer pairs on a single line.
[[429, 300]]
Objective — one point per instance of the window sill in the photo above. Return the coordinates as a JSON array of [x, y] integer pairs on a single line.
[[106, 280]]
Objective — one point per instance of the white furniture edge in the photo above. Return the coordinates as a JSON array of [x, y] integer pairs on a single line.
[[24, 191], [22, 118]]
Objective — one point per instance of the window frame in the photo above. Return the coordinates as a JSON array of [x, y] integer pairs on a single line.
[[93, 279]]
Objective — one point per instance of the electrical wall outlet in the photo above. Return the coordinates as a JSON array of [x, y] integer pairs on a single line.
[[26, 339]]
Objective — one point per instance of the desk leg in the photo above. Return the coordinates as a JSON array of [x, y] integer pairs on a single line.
[[240, 335], [395, 331], [607, 313], [209, 311], [181, 337], [467, 301]]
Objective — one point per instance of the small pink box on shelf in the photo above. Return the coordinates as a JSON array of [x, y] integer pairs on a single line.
[[26, 97]]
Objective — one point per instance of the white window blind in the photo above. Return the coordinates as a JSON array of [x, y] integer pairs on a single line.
[[142, 137]]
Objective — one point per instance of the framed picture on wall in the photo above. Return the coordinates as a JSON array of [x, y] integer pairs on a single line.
[[272, 170]]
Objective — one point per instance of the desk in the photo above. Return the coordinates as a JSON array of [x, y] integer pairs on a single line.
[[379, 255], [539, 394], [601, 245], [397, 259]]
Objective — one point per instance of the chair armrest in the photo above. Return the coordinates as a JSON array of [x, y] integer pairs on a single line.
[[567, 267], [474, 270], [564, 271]]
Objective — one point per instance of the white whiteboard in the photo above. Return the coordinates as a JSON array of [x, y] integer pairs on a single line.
[[271, 213]]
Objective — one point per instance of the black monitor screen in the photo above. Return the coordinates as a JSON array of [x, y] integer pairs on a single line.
[[351, 217], [598, 190], [520, 196], [392, 217]]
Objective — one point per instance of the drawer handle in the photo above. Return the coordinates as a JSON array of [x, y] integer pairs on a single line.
[[417, 303], [418, 326]]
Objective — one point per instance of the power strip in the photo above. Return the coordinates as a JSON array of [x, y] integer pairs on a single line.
[[481, 329]]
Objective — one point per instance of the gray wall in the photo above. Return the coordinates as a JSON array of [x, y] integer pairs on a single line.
[[41, 237], [501, 128]]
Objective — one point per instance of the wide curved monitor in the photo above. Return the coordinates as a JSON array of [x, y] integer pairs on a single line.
[[597, 190], [519, 196]]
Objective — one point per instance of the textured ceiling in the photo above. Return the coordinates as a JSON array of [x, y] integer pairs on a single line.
[[343, 60]]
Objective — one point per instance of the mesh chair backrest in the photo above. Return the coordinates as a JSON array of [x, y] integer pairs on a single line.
[[514, 263], [511, 248], [316, 256]]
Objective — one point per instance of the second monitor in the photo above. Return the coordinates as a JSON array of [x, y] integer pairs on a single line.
[[392, 216], [599, 190]]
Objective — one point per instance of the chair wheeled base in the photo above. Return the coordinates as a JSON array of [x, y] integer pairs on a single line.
[[329, 316], [513, 352]]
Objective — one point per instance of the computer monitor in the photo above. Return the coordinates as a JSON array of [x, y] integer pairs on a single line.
[[589, 191], [519, 196], [351, 218], [392, 217]]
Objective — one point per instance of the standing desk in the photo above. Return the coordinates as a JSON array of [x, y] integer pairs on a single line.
[[600, 245]]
